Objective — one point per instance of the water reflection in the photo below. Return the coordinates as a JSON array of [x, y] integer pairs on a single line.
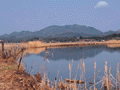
[[76, 53], [59, 59]]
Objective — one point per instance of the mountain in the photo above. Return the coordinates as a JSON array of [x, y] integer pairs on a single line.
[[109, 32], [57, 31], [113, 35], [118, 31], [71, 34], [76, 53]]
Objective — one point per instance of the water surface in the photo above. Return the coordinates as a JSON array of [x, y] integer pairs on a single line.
[[57, 62]]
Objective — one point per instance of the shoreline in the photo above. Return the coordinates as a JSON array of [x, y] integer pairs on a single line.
[[13, 76], [39, 44]]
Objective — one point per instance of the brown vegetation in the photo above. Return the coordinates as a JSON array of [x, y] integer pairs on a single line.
[[38, 44], [13, 79]]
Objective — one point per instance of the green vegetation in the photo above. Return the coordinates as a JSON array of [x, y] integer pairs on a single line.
[[12, 67]]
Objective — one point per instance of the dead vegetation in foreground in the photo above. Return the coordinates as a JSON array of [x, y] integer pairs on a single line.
[[13, 76], [106, 82]]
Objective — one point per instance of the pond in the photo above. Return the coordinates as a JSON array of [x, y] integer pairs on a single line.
[[55, 62]]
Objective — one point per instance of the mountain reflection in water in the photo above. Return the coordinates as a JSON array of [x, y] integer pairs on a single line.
[[60, 58], [76, 53]]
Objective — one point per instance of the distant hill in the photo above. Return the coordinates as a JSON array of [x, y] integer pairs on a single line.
[[57, 31], [113, 35], [71, 34], [76, 53], [111, 32], [108, 32], [18, 36]]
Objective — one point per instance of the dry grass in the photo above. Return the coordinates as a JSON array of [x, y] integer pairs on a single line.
[[37, 44], [113, 45], [113, 41], [108, 82], [13, 79]]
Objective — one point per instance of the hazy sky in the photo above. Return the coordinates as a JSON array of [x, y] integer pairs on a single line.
[[33, 15]]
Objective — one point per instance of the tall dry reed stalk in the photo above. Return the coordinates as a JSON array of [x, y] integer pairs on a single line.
[[107, 82], [94, 74]]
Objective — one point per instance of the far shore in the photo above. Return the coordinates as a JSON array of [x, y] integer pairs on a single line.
[[13, 74], [39, 44]]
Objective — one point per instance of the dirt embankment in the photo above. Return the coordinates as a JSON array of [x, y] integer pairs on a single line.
[[12, 78]]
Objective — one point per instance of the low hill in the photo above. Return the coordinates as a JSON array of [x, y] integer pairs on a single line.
[[57, 31]]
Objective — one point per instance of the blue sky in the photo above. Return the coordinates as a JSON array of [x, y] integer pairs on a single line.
[[33, 15]]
